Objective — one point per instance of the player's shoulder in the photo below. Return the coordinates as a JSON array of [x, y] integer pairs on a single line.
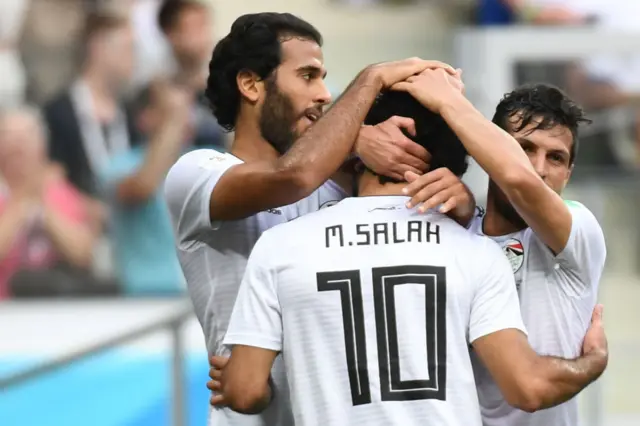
[[203, 159], [194, 166], [582, 216], [576, 207]]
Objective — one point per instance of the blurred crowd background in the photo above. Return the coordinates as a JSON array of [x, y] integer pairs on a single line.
[[98, 98]]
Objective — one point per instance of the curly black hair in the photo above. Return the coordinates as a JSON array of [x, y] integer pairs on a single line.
[[544, 105], [253, 44], [432, 132]]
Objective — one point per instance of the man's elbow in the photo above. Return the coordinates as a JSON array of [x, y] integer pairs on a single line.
[[246, 400], [299, 182], [528, 397]]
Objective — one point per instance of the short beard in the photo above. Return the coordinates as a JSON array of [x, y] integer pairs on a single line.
[[277, 118], [505, 209]]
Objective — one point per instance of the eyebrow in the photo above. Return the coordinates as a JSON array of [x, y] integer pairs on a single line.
[[527, 141], [313, 70]]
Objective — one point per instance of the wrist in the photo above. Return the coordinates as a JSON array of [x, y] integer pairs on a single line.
[[454, 106], [370, 76]]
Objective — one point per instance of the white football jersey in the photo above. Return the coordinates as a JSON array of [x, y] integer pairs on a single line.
[[557, 297], [213, 256], [373, 307]]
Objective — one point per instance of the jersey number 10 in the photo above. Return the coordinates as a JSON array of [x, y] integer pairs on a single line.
[[385, 280]]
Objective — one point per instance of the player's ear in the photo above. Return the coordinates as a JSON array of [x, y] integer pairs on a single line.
[[250, 85]]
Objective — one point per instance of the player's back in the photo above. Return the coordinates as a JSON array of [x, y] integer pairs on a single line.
[[376, 302]]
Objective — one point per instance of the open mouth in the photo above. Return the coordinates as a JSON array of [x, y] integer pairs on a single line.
[[313, 116]]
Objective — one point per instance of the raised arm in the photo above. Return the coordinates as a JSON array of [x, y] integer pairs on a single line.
[[499, 154], [246, 189], [532, 382]]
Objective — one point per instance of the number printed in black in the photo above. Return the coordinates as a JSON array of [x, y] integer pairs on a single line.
[[385, 280]]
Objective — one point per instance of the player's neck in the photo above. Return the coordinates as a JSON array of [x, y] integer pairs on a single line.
[[494, 224], [369, 185], [249, 145]]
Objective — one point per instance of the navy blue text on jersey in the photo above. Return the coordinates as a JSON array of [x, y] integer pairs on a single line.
[[365, 234]]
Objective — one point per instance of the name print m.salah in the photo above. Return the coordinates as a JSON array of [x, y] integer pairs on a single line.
[[365, 234]]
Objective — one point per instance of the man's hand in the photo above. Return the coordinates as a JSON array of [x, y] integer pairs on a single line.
[[433, 88], [389, 73], [440, 187], [387, 151], [595, 341], [217, 364]]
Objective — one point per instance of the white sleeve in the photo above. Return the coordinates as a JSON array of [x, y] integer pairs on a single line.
[[495, 305], [256, 319], [585, 252], [188, 189]]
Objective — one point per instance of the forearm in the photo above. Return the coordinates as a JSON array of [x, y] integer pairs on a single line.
[[321, 150], [160, 156], [74, 242], [497, 152], [246, 404], [559, 380]]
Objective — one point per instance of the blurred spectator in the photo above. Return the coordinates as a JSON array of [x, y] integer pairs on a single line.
[[88, 122], [543, 12], [12, 84], [152, 49], [45, 239], [143, 239], [188, 27], [51, 45]]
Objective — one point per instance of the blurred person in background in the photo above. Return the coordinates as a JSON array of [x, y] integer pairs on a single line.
[[88, 122], [13, 81], [51, 45], [143, 239], [152, 49], [188, 27], [540, 12], [46, 242]]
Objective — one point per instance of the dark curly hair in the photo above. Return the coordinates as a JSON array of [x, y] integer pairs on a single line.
[[432, 132], [253, 44], [543, 104]]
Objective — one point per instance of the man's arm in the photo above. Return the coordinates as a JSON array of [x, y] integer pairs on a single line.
[[245, 379], [499, 154], [532, 382], [255, 331], [502, 157], [173, 106], [528, 381], [249, 188]]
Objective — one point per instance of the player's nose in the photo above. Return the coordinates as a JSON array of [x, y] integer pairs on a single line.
[[323, 96], [539, 163]]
